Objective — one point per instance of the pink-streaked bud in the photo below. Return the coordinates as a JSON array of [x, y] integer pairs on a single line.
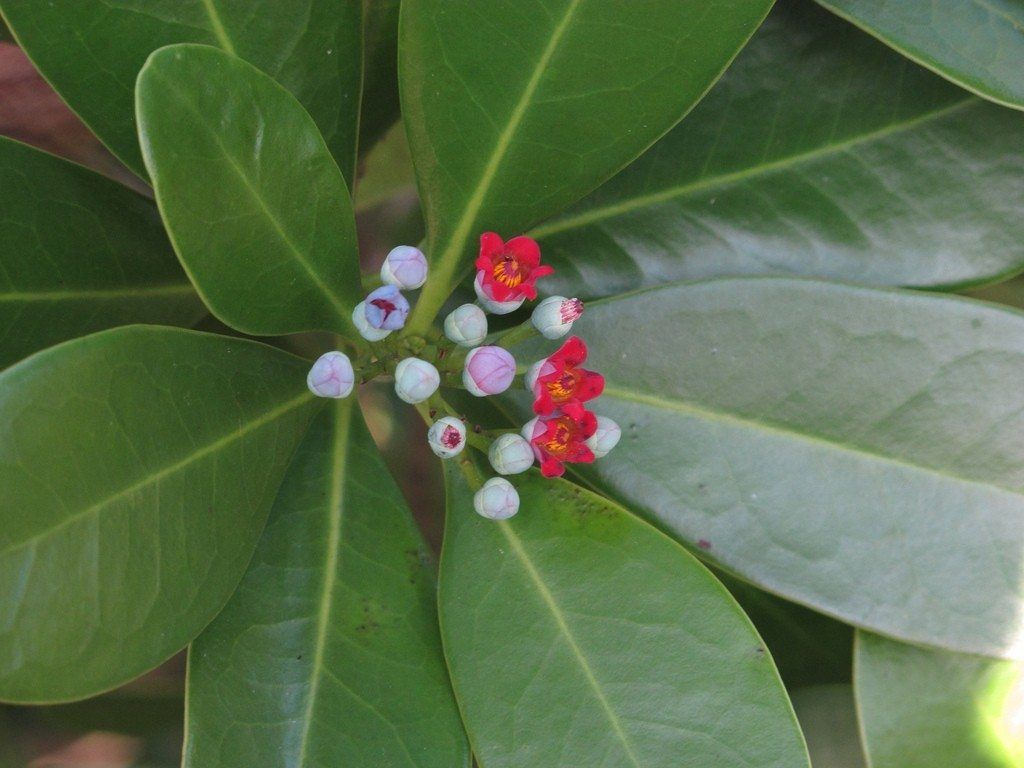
[[496, 500], [491, 305], [466, 325], [531, 429], [362, 325], [605, 438], [510, 454], [331, 376], [488, 371], [533, 374], [386, 308], [554, 316], [416, 380], [447, 437], [405, 267]]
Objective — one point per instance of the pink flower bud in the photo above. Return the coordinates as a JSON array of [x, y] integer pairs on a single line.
[[510, 454], [496, 500], [554, 316], [466, 325], [530, 380], [405, 267], [416, 380], [488, 371], [447, 437], [494, 306], [362, 325], [605, 438], [331, 376]]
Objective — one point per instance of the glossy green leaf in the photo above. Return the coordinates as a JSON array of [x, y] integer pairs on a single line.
[[255, 205], [819, 153], [92, 50], [577, 635], [329, 652], [517, 108], [923, 708], [137, 467], [978, 44], [828, 718], [858, 451], [380, 109], [80, 253]]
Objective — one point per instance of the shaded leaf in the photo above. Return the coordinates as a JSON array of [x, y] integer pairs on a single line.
[[255, 205], [92, 50], [138, 467], [578, 635], [923, 708], [516, 108], [858, 451], [828, 718], [80, 254], [380, 109], [819, 153], [328, 653]]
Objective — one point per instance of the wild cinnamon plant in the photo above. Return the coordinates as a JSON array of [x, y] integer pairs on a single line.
[[659, 321]]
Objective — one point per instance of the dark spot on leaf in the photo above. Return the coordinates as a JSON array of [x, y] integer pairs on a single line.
[[704, 544]]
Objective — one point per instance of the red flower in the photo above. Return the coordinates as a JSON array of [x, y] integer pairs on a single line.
[[508, 271], [560, 439], [562, 385]]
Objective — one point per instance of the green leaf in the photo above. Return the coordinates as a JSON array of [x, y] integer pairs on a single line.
[[92, 50], [854, 450], [380, 109], [977, 44], [139, 465], [255, 206], [924, 708], [819, 153], [517, 108], [80, 254], [329, 653], [577, 635], [828, 718]]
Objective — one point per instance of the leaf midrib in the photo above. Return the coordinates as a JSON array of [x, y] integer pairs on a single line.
[[217, 27], [531, 571], [704, 184], [163, 473], [86, 294], [706, 413]]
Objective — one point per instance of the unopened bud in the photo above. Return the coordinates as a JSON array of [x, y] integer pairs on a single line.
[[331, 376], [510, 454], [466, 325], [362, 325], [496, 500], [532, 429], [488, 371], [405, 267], [605, 438], [416, 380], [447, 437], [530, 380], [554, 316], [491, 305], [386, 308]]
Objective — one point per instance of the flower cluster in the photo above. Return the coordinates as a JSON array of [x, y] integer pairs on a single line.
[[563, 431]]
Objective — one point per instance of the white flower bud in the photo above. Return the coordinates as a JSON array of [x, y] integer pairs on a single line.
[[496, 500], [447, 437], [362, 325], [554, 316], [416, 380], [510, 455], [466, 326], [529, 430], [331, 376], [405, 267], [492, 306], [605, 438], [533, 374]]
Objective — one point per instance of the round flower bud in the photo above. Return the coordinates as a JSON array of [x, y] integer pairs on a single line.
[[510, 455], [533, 374], [331, 376], [362, 325], [386, 308], [554, 316], [416, 380], [496, 500], [491, 305], [488, 371], [466, 326], [405, 267], [605, 438], [447, 437]]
